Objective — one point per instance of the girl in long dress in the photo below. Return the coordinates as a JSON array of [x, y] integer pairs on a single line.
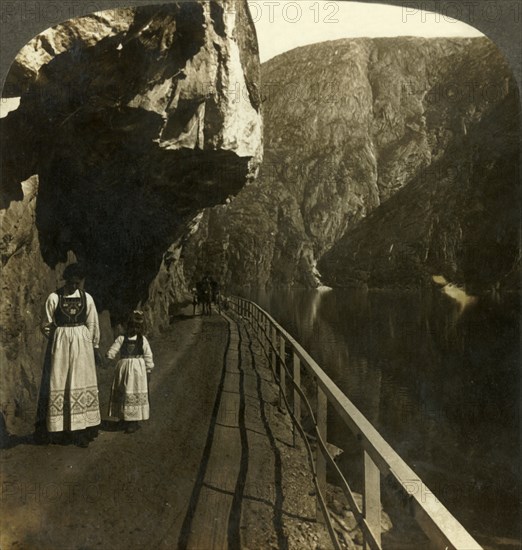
[[129, 400], [72, 323]]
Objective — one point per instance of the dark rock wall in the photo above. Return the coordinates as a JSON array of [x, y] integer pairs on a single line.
[[347, 125], [459, 218], [127, 127], [459, 215]]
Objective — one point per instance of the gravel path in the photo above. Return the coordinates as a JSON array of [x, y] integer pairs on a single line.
[[214, 467]]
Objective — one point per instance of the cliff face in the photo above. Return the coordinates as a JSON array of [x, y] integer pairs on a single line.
[[458, 214], [127, 127], [458, 218], [350, 123]]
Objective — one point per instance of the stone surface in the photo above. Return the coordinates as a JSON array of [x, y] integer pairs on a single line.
[[82, 32], [129, 125], [348, 125], [457, 218]]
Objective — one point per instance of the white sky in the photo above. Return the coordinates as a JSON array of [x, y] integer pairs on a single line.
[[282, 25]]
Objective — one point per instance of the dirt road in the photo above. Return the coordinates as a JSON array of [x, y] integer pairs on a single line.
[[124, 491], [214, 467]]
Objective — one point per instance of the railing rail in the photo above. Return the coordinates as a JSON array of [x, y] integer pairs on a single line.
[[442, 529]]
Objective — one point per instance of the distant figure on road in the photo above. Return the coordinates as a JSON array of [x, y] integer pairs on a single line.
[[195, 300], [223, 302], [129, 400], [72, 324], [204, 288], [214, 285]]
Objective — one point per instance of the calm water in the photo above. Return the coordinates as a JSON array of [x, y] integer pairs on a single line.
[[441, 384]]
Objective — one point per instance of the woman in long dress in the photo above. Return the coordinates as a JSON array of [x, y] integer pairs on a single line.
[[72, 323], [129, 400]]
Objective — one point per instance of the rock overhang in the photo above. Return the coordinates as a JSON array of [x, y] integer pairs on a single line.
[[174, 74]]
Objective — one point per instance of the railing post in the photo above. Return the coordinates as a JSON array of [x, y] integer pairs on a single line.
[[273, 347], [260, 324], [372, 498], [282, 371], [266, 327], [320, 461], [297, 398], [260, 328]]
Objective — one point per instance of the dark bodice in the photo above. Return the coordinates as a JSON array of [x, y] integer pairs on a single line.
[[71, 311], [131, 348]]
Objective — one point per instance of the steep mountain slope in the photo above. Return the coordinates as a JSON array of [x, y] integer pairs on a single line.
[[348, 124], [459, 218]]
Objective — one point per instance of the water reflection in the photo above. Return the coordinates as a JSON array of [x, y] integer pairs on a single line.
[[461, 297], [439, 381]]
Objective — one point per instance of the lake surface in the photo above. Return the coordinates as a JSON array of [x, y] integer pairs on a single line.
[[441, 384]]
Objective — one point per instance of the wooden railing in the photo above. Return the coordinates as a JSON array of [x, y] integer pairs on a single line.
[[441, 528]]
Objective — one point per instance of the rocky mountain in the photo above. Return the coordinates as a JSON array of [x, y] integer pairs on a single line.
[[137, 143], [458, 218], [349, 126], [127, 127]]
